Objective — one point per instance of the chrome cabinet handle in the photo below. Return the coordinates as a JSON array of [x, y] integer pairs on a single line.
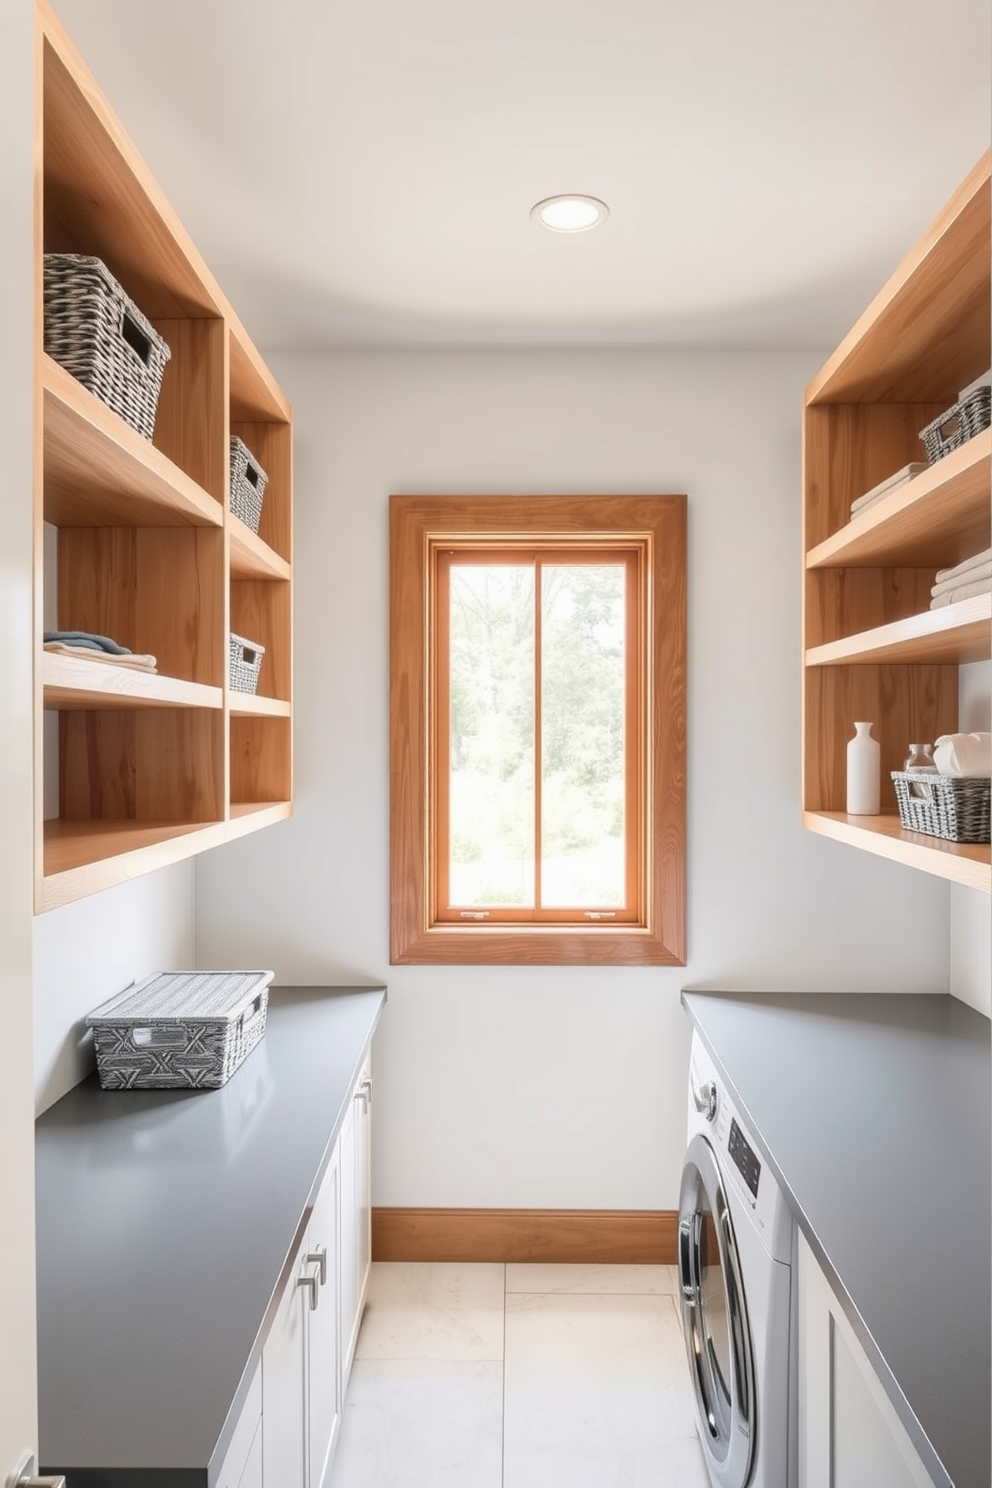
[[313, 1282], [704, 1098], [319, 1258], [24, 1476], [364, 1092]]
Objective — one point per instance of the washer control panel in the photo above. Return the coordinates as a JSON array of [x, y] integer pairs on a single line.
[[746, 1173], [744, 1158]]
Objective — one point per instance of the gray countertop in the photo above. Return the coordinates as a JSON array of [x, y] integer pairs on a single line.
[[164, 1222], [874, 1114]]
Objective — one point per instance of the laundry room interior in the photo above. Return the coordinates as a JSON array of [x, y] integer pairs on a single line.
[[513, 652]]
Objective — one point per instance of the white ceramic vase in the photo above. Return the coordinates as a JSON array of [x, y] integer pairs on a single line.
[[863, 773]]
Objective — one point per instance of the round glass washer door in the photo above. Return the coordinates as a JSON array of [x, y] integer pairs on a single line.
[[714, 1317]]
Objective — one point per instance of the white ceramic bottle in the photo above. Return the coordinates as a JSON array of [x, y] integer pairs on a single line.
[[863, 773]]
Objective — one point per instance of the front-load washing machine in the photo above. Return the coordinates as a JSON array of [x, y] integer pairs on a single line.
[[737, 1278]]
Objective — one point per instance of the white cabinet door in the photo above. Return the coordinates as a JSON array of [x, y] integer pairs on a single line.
[[308, 1352], [849, 1433], [324, 1389], [363, 1147], [356, 1214], [284, 1412], [349, 1237]]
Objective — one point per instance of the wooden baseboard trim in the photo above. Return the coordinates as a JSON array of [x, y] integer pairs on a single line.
[[581, 1236]]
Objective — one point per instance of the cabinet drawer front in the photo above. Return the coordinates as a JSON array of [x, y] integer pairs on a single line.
[[252, 1475], [246, 1432], [284, 1383]]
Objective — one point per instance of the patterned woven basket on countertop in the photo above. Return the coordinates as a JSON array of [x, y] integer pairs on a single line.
[[955, 807], [248, 482], [97, 333], [246, 663], [182, 1030]]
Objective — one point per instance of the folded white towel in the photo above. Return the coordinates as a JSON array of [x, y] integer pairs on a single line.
[[965, 591], [978, 560], [963, 754], [864, 503], [890, 483], [136, 663], [973, 575]]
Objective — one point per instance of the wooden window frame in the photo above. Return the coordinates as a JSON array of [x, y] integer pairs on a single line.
[[656, 525]]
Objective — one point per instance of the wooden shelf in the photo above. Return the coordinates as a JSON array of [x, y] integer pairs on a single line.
[[952, 635], [252, 705], [100, 191], [84, 857], [926, 334], [251, 816], [251, 558], [147, 549], [936, 520], [101, 472], [71, 683], [960, 862], [255, 395]]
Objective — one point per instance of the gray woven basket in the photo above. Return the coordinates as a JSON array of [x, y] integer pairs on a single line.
[[246, 662], [248, 481], [180, 1030], [97, 333], [955, 807], [965, 418]]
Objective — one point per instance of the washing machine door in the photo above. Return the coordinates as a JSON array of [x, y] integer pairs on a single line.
[[715, 1321]]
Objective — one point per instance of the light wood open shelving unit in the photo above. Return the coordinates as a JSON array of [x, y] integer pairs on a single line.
[[152, 768], [873, 648]]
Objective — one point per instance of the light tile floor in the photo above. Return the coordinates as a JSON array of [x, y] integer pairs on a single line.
[[470, 1376]]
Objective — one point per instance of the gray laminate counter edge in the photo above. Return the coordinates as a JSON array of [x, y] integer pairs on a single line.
[[873, 1112], [165, 1221]]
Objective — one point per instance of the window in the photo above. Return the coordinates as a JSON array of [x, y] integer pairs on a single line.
[[538, 730]]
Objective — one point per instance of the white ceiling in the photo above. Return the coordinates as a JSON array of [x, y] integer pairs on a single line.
[[361, 172]]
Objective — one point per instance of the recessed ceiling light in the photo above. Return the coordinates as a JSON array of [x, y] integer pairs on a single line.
[[570, 214]]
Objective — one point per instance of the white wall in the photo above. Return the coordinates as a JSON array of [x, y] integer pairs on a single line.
[[557, 1087], [971, 914], [87, 951], [18, 1402]]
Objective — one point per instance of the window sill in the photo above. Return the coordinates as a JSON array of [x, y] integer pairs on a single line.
[[508, 945]]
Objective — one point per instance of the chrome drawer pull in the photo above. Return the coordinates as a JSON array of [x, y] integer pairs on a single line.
[[24, 1476], [319, 1257]]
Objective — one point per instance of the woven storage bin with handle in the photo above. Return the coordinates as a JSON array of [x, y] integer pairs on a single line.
[[246, 662], [955, 807], [248, 481], [98, 334], [182, 1030], [969, 416]]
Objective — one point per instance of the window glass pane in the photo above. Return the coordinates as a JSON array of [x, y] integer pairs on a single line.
[[492, 735], [583, 637]]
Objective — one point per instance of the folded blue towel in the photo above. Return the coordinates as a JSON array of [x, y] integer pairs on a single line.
[[88, 640]]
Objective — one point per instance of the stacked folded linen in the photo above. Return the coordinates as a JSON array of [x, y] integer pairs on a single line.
[[88, 646], [963, 754], [886, 487], [967, 579]]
